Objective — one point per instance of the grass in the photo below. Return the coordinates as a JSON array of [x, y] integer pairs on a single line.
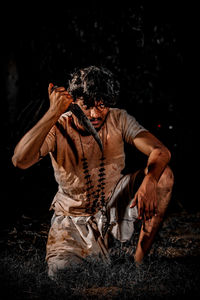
[[23, 270]]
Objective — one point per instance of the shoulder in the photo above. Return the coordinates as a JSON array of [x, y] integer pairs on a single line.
[[126, 123], [120, 117], [116, 114]]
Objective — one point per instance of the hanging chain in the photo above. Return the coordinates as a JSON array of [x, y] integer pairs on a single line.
[[95, 199]]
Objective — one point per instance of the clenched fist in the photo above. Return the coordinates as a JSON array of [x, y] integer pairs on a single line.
[[59, 98]]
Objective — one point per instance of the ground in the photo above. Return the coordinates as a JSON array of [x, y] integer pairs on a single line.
[[171, 270]]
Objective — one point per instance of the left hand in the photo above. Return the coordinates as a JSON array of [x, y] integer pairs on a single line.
[[146, 198]]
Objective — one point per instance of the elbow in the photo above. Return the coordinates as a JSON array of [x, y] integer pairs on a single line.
[[15, 161], [18, 163], [168, 154], [164, 152]]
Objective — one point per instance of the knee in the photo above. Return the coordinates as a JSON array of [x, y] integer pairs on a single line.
[[55, 265], [167, 179]]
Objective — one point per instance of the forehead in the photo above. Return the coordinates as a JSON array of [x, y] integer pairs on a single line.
[[94, 102]]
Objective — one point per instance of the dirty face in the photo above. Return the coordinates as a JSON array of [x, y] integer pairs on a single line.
[[95, 114]]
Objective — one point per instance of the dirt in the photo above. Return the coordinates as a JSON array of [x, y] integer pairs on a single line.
[[171, 269]]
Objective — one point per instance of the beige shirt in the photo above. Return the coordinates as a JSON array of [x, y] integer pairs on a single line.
[[66, 147]]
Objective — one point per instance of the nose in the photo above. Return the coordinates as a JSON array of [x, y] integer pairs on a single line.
[[94, 113]]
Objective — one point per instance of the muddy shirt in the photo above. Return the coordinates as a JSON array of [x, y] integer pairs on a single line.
[[67, 147]]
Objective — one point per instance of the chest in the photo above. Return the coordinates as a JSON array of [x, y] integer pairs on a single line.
[[72, 147]]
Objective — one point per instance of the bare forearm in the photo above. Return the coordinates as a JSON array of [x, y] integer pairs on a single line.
[[27, 150], [157, 161]]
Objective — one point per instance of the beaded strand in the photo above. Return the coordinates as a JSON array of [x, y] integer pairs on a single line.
[[95, 199]]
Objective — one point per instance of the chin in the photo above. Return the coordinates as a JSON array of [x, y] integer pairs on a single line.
[[97, 127]]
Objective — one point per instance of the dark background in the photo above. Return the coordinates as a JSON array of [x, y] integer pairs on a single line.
[[143, 44]]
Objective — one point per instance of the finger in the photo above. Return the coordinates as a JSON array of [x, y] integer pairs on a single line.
[[155, 208], [53, 88], [66, 94], [67, 100], [147, 214], [144, 224], [66, 97], [140, 208], [151, 210], [69, 96], [60, 89], [56, 89]]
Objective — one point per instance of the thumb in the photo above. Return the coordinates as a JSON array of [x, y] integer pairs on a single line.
[[50, 88], [134, 203]]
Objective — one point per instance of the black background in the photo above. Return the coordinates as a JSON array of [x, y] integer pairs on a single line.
[[145, 45]]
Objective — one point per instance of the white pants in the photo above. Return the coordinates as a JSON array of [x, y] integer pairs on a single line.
[[71, 239]]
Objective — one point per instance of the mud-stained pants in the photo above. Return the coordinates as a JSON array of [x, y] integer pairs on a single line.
[[71, 239]]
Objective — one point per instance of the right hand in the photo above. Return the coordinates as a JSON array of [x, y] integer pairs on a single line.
[[59, 98]]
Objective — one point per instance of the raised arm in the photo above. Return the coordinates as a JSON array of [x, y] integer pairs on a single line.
[[27, 151]]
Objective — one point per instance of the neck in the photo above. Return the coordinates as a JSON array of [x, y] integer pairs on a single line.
[[82, 131]]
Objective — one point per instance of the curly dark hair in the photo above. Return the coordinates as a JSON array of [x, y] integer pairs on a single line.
[[94, 84]]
